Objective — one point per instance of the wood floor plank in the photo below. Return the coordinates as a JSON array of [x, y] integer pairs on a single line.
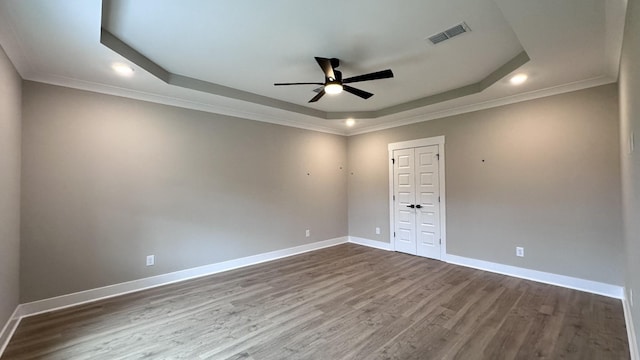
[[342, 302]]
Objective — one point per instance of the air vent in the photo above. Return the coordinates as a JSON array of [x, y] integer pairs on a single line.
[[438, 38], [449, 33]]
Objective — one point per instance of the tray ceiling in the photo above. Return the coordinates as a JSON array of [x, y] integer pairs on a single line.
[[224, 56]]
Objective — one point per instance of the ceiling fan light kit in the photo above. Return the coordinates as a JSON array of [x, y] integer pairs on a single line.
[[334, 84], [333, 88]]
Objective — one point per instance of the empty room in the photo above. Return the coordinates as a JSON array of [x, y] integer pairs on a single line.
[[427, 179]]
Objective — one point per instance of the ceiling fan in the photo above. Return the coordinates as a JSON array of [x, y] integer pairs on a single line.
[[334, 83]]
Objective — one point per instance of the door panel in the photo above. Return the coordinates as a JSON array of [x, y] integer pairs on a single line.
[[416, 182], [404, 190], [427, 195]]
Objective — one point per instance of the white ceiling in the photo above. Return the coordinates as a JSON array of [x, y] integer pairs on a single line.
[[249, 45]]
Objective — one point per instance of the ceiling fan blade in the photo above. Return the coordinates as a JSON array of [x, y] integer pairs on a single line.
[[301, 83], [384, 74], [317, 90], [326, 66], [363, 94], [317, 97]]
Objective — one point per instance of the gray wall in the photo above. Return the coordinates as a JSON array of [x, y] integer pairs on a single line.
[[10, 98], [109, 180], [630, 123], [550, 183]]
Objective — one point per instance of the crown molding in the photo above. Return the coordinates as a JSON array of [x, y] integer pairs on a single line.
[[532, 95], [178, 102], [256, 116], [12, 45], [615, 16]]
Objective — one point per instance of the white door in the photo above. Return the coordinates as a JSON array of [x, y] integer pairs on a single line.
[[416, 204], [405, 195], [427, 202]]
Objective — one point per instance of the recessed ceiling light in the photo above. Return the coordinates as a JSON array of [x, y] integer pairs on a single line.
[[350, 122], [518, 79], [122, 69]]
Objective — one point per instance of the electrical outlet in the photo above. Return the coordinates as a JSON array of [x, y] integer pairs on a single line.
[[631, 143], [307, 233], [151, 260], [519, 251], [377, 231]]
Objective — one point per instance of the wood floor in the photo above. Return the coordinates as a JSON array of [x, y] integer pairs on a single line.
[[343, 302]]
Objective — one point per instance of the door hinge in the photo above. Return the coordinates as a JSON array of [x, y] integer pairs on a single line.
[[394, 234], [438, 156], [394, 198], [440, 241], [438, 198], [393, 161]]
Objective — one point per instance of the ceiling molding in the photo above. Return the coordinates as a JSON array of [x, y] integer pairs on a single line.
[[120, 47], [557, 90], [12, 44], [178, 102], [615, 14], [278, 120]]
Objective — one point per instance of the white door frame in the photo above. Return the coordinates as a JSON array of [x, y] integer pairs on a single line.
[[436, 140]]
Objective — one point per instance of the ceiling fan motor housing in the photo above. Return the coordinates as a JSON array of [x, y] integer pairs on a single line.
[[338, 78]]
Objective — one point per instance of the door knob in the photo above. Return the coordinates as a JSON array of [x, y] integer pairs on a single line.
[[411, 206], [418, 206]]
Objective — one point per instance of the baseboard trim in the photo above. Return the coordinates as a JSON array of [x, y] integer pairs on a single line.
[[594, 287], [8, 330], [82, 297], [370, 243], [631, 332], [613, 291], [609, 290]]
